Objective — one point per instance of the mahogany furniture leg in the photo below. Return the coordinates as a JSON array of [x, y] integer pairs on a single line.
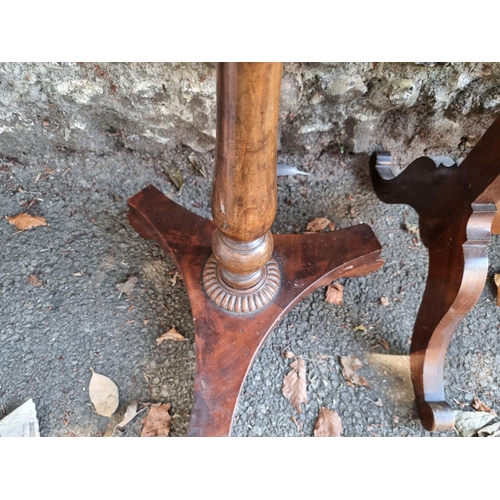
[[456, 208], [241, 279]]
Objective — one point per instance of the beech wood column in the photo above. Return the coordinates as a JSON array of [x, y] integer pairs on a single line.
[[241, 279]]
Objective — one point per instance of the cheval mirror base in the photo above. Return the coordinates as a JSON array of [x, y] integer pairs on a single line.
[[242, 280], [456, 207]]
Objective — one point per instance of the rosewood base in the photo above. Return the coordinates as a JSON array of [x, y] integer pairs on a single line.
[[227, 342], [456, 207]]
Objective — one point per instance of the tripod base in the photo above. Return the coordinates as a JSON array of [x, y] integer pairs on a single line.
[[227, 342]]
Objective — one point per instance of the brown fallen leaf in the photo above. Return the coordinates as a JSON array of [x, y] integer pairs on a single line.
[[319, 224], [497, 283], [33, 280], [172, 334], [26, 221], [294, 384], [328, 424], [351, 365], [384, 301], [103, 393], [384, 344], [157, 423], [335, 294], [478, 405], [297, 424], [128, 286]]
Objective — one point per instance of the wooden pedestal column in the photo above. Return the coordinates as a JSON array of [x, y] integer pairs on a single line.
[[241, 279], [242, 276]]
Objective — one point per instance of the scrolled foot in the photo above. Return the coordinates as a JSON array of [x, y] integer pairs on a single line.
[[436, 416]]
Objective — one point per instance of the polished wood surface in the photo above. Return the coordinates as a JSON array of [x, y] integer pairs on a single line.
[[226, 343], [244, 192], [456, 207], [244, 195], [238, 286]]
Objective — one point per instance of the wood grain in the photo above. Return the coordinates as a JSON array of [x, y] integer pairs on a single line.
[[456, 207], [244, 195], [226, 343]]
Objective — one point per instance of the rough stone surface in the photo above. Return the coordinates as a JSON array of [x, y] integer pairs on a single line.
[[408, 108]]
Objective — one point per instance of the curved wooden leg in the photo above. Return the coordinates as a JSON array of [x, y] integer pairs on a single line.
[[226, 343], [456, 206], [456, 277]]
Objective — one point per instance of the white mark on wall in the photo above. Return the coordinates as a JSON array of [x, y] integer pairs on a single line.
[[79, 90]]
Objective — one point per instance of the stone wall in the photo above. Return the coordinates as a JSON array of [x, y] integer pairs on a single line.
[[408, 108]]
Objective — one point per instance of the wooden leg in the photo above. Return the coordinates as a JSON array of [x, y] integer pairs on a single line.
[[456, 206], [451, 292], [241, 279]]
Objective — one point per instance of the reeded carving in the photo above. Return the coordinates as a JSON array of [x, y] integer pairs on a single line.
[[241, 301]]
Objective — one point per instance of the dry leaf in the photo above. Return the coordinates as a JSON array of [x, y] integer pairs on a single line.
[[172, 334], [197, 165], [103, 394], [130, 413], [176, 177], [289, 354], [468, 423], [297, 424], [294, 384], [335, 294], [320, 224], [477, 404], [128, 286], [328, 424], [350, 365], [492, 430], [384, 301], [384, 344], [26, 221], [174, 279], [361, 328], [459, 403], [157, 422], [497, 283], [34, 281], [411, 228]]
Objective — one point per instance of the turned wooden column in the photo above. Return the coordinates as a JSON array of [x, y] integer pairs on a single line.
[[241, 276], [243, 267]]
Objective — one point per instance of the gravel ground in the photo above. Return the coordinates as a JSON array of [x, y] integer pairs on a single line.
[[75, 319]]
